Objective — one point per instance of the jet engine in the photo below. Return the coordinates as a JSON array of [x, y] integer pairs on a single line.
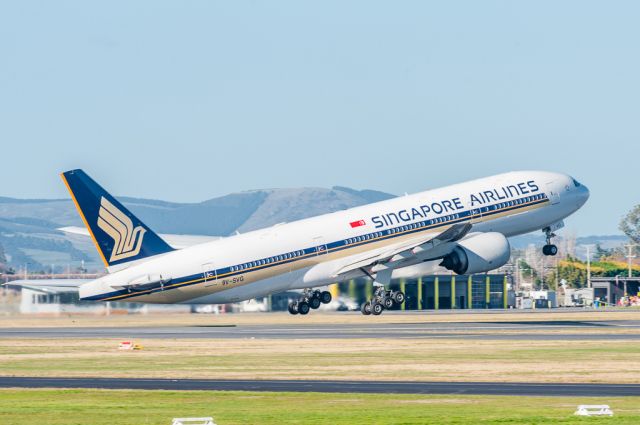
[[478, 253]]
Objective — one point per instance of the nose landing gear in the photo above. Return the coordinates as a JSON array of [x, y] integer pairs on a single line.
[[309, 300], [549, 249]]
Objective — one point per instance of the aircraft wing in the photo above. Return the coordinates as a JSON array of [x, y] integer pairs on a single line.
[[417, 249], [176, 241], [49, 286]]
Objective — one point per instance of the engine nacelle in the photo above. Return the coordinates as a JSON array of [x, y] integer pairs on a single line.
[[478, 254]]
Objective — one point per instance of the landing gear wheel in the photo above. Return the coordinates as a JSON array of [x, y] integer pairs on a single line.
[[388, 303], [314, 302], [303, 307], [376, 309], [366, 308], [325, 297], [293, 308], [549, 250], [398, 297]]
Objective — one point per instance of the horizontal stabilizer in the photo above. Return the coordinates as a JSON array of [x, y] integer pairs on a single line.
[[49, 286]]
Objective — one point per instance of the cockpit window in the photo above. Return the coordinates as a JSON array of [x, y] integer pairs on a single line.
[[576, 183]]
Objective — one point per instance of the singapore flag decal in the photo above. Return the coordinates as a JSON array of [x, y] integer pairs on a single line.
[[357, 223]]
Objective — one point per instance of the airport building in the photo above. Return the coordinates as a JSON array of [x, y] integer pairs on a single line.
[[611, 290]]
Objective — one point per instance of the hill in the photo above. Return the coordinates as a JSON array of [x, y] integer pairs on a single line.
[[29, 237]]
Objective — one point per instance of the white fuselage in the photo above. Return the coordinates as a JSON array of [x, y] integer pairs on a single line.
[[307, 253]]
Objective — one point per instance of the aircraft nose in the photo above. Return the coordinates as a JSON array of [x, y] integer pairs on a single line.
[[583, 194]]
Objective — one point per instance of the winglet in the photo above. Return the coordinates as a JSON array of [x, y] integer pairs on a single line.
[[119, 236]]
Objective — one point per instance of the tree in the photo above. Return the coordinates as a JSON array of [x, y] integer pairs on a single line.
[[602, 253], [3, 260], [630, 224]]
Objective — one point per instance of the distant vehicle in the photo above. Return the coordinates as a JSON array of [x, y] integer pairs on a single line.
[[254, 306], [206, 309], [341, 304], [462, 228]]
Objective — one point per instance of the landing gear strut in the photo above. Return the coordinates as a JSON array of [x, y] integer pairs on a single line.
[[549, 248], [382, 299], [310, 299]]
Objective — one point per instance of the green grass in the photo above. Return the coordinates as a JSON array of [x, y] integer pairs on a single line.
[[520, 360], [123, 407]]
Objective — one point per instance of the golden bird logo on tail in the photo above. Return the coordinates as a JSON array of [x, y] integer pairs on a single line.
[[127, 240]]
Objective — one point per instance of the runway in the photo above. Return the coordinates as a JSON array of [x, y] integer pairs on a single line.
[[371, 387], [503, 330]]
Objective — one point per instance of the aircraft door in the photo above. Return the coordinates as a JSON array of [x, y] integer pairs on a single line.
[[209, 273], [552, 193], [476, 213], [321, 247]]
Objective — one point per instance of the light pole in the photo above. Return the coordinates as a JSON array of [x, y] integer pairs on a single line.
[[519, 272], [589, 266], [630, 255], [557, 274]]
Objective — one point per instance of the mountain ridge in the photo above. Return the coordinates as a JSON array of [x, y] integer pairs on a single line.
[[28, 227]]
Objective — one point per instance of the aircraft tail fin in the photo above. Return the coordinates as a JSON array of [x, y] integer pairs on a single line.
[[119, 236]]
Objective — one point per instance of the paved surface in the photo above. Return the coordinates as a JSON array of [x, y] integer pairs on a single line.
[[517, 330], [379, 387]]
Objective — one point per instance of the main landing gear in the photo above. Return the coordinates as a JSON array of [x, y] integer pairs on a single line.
[[310, 299], [549, 249], [382, 299]]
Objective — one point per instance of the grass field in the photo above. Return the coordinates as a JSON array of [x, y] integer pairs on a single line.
[[108, 407], [362, 359]]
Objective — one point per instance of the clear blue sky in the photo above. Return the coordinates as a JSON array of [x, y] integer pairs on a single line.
[[184, 101]]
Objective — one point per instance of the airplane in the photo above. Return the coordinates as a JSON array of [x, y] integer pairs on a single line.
[[462, 228]]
